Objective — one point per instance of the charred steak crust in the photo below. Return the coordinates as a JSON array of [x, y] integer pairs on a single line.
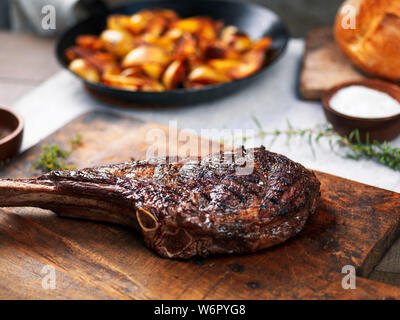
[[196, 206]]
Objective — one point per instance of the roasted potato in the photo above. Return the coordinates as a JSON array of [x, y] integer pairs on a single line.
[[153, 70], [146, 54], [204, 27], [118, 22], [251, 62], [225, 66], [174, 74], [118, 42], [236, 39], [132, 82], [186, 47], [89, 42], [207, 75], [84, 70], [262, 44], [144, 19]]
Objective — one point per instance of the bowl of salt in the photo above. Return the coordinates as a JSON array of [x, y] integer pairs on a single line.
[[370, 106]]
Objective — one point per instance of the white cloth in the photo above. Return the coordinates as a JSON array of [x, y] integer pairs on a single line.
[[272, 99]]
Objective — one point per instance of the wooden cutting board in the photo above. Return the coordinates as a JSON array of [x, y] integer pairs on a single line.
[[324, 65], [354, 225]]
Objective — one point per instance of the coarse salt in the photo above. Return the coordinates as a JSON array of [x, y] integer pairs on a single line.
[[363, 102]]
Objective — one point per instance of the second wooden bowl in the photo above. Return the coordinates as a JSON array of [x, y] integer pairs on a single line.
[[11, 131], [380, 129]]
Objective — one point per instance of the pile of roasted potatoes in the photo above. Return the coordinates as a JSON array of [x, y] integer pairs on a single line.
[[155, 50]]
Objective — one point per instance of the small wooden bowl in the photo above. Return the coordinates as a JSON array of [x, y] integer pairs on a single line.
[[11, 131], [381, 129]]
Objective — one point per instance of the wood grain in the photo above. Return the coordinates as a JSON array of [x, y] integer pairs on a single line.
[[354, 225], [324, 65]]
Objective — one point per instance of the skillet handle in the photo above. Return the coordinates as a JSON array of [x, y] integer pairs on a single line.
[[95, 7]]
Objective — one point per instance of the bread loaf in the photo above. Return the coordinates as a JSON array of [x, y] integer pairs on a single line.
[[368, 32]]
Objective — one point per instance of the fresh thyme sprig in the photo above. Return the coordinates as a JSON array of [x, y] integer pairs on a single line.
[[52, 156], [353, 146], [77, 141]]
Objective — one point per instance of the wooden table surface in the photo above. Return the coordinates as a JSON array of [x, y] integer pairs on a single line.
[[27, 60]]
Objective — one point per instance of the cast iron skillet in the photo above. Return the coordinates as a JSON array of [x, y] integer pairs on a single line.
[[252, 19]]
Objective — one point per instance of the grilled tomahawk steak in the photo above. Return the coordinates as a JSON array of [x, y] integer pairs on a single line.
[[184, 208]]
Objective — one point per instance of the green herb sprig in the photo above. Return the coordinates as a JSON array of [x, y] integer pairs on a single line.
[[52, 156], [353, 146], [77, 141]]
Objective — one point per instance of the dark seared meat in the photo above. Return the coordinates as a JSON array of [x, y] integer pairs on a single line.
[[231, 202]]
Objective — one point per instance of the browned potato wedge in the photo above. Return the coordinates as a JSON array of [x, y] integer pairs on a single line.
[[252, 61], [241, 42], [208, 30], [164, 43], [236, 39], [186, 47], [214, 51], [143, 19], [194, 62], [139, 21], [157, 26], [219, 50], [191, 25], [167, 41], [262, 44], [174, 74], [152, 85], [120, 81], [228, 32], [225, 66], [204, 27], [97, 59], [76, 52], [103, 57], [126, 85], [117, 42], [232, 54], [132, 72], [70, 54], [135, 80], [89, 42], [206, 75], [118, 22], [84, 70], [146, 54], [153, 70], [173, 34]]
